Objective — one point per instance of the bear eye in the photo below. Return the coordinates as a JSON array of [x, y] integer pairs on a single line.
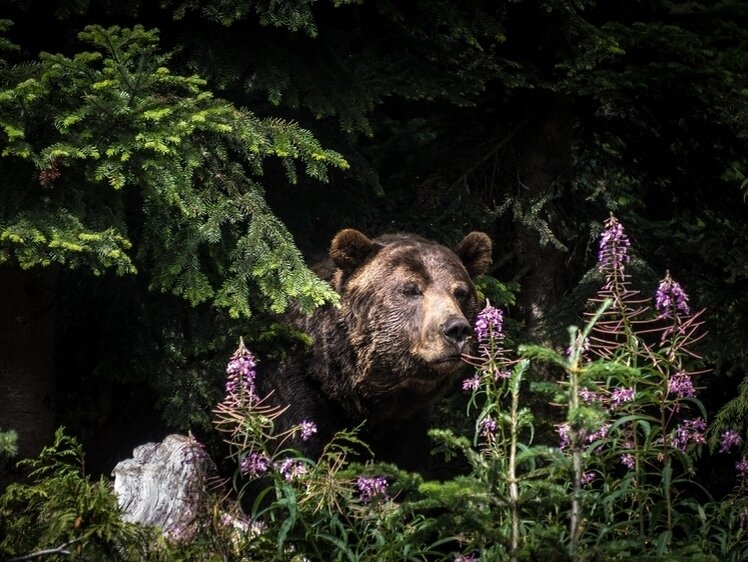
[[460, 293], [411, 290]]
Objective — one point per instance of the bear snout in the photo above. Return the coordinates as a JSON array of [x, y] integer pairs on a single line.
[[457, 331]]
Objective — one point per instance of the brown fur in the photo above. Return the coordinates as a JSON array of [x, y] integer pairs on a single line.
[[392, 347]]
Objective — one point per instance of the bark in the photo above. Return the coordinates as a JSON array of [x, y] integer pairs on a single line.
[[27, 345], [163, 485], [545, 152]]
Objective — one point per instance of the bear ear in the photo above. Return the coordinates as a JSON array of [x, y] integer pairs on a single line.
[[475, 253], [350, 248]]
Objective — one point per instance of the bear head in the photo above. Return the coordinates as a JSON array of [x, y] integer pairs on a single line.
[[408, 305]]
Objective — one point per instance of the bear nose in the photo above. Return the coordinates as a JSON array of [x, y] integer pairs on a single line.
[[457, 330]]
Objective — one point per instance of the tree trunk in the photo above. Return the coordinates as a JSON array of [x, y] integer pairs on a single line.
[[27, 375], [546, 155]]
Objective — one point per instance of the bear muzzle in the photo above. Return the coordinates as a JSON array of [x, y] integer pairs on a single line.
[[458, 332], [442, 344]]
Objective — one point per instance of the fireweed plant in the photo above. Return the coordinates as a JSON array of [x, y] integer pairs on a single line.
[[328, 509], [634, 424], [618, 482]]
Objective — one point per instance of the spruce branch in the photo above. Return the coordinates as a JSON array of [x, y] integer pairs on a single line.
[[117, 116]]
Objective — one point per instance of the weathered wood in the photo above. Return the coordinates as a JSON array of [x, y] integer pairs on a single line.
[[163, 484]]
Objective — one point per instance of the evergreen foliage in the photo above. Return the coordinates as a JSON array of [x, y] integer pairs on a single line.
[[295, 16], [8, 443], [131, 167], [61, 512]]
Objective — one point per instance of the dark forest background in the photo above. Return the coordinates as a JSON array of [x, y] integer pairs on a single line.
[[164, 173]]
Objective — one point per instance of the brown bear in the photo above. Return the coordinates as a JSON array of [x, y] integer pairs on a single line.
[[390, 349]]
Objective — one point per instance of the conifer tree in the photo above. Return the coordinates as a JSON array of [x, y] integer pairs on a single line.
[[112, 162]]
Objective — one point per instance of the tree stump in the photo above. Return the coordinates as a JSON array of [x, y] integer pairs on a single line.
[[163, 484]]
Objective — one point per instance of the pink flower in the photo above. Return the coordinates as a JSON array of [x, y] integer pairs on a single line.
[[254, 464], [291, 469], [588, 477], [614, 245], [490, 322], [670, 299], [472, 383], [241, 374], [588, 395], [370, 487], [681, 385], [628, 461], [729, 440], [599, 434], [689, 432], [502, 374], [488, 426], [308, 428], [621, 395]]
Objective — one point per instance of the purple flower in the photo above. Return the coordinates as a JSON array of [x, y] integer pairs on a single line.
[[502, 374], [489, 323], [621, 395], [742, 467], [370, 487], [242, 365], [488, 426], [681, 385], [308, 428], [743, 517], [564, 433], [628, 461], [254, 464], [585, 347], [670, 299], [193, 451], [690, 431], [243, 524], [241, 373], [180, 533], [472, 383], [729, 440], [588, 477], [588, 395], [466, 558], [291, 469], [599, 434], [614, 244]]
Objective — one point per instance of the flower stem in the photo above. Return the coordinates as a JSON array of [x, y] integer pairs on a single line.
[[576, 459], [513, 482]]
